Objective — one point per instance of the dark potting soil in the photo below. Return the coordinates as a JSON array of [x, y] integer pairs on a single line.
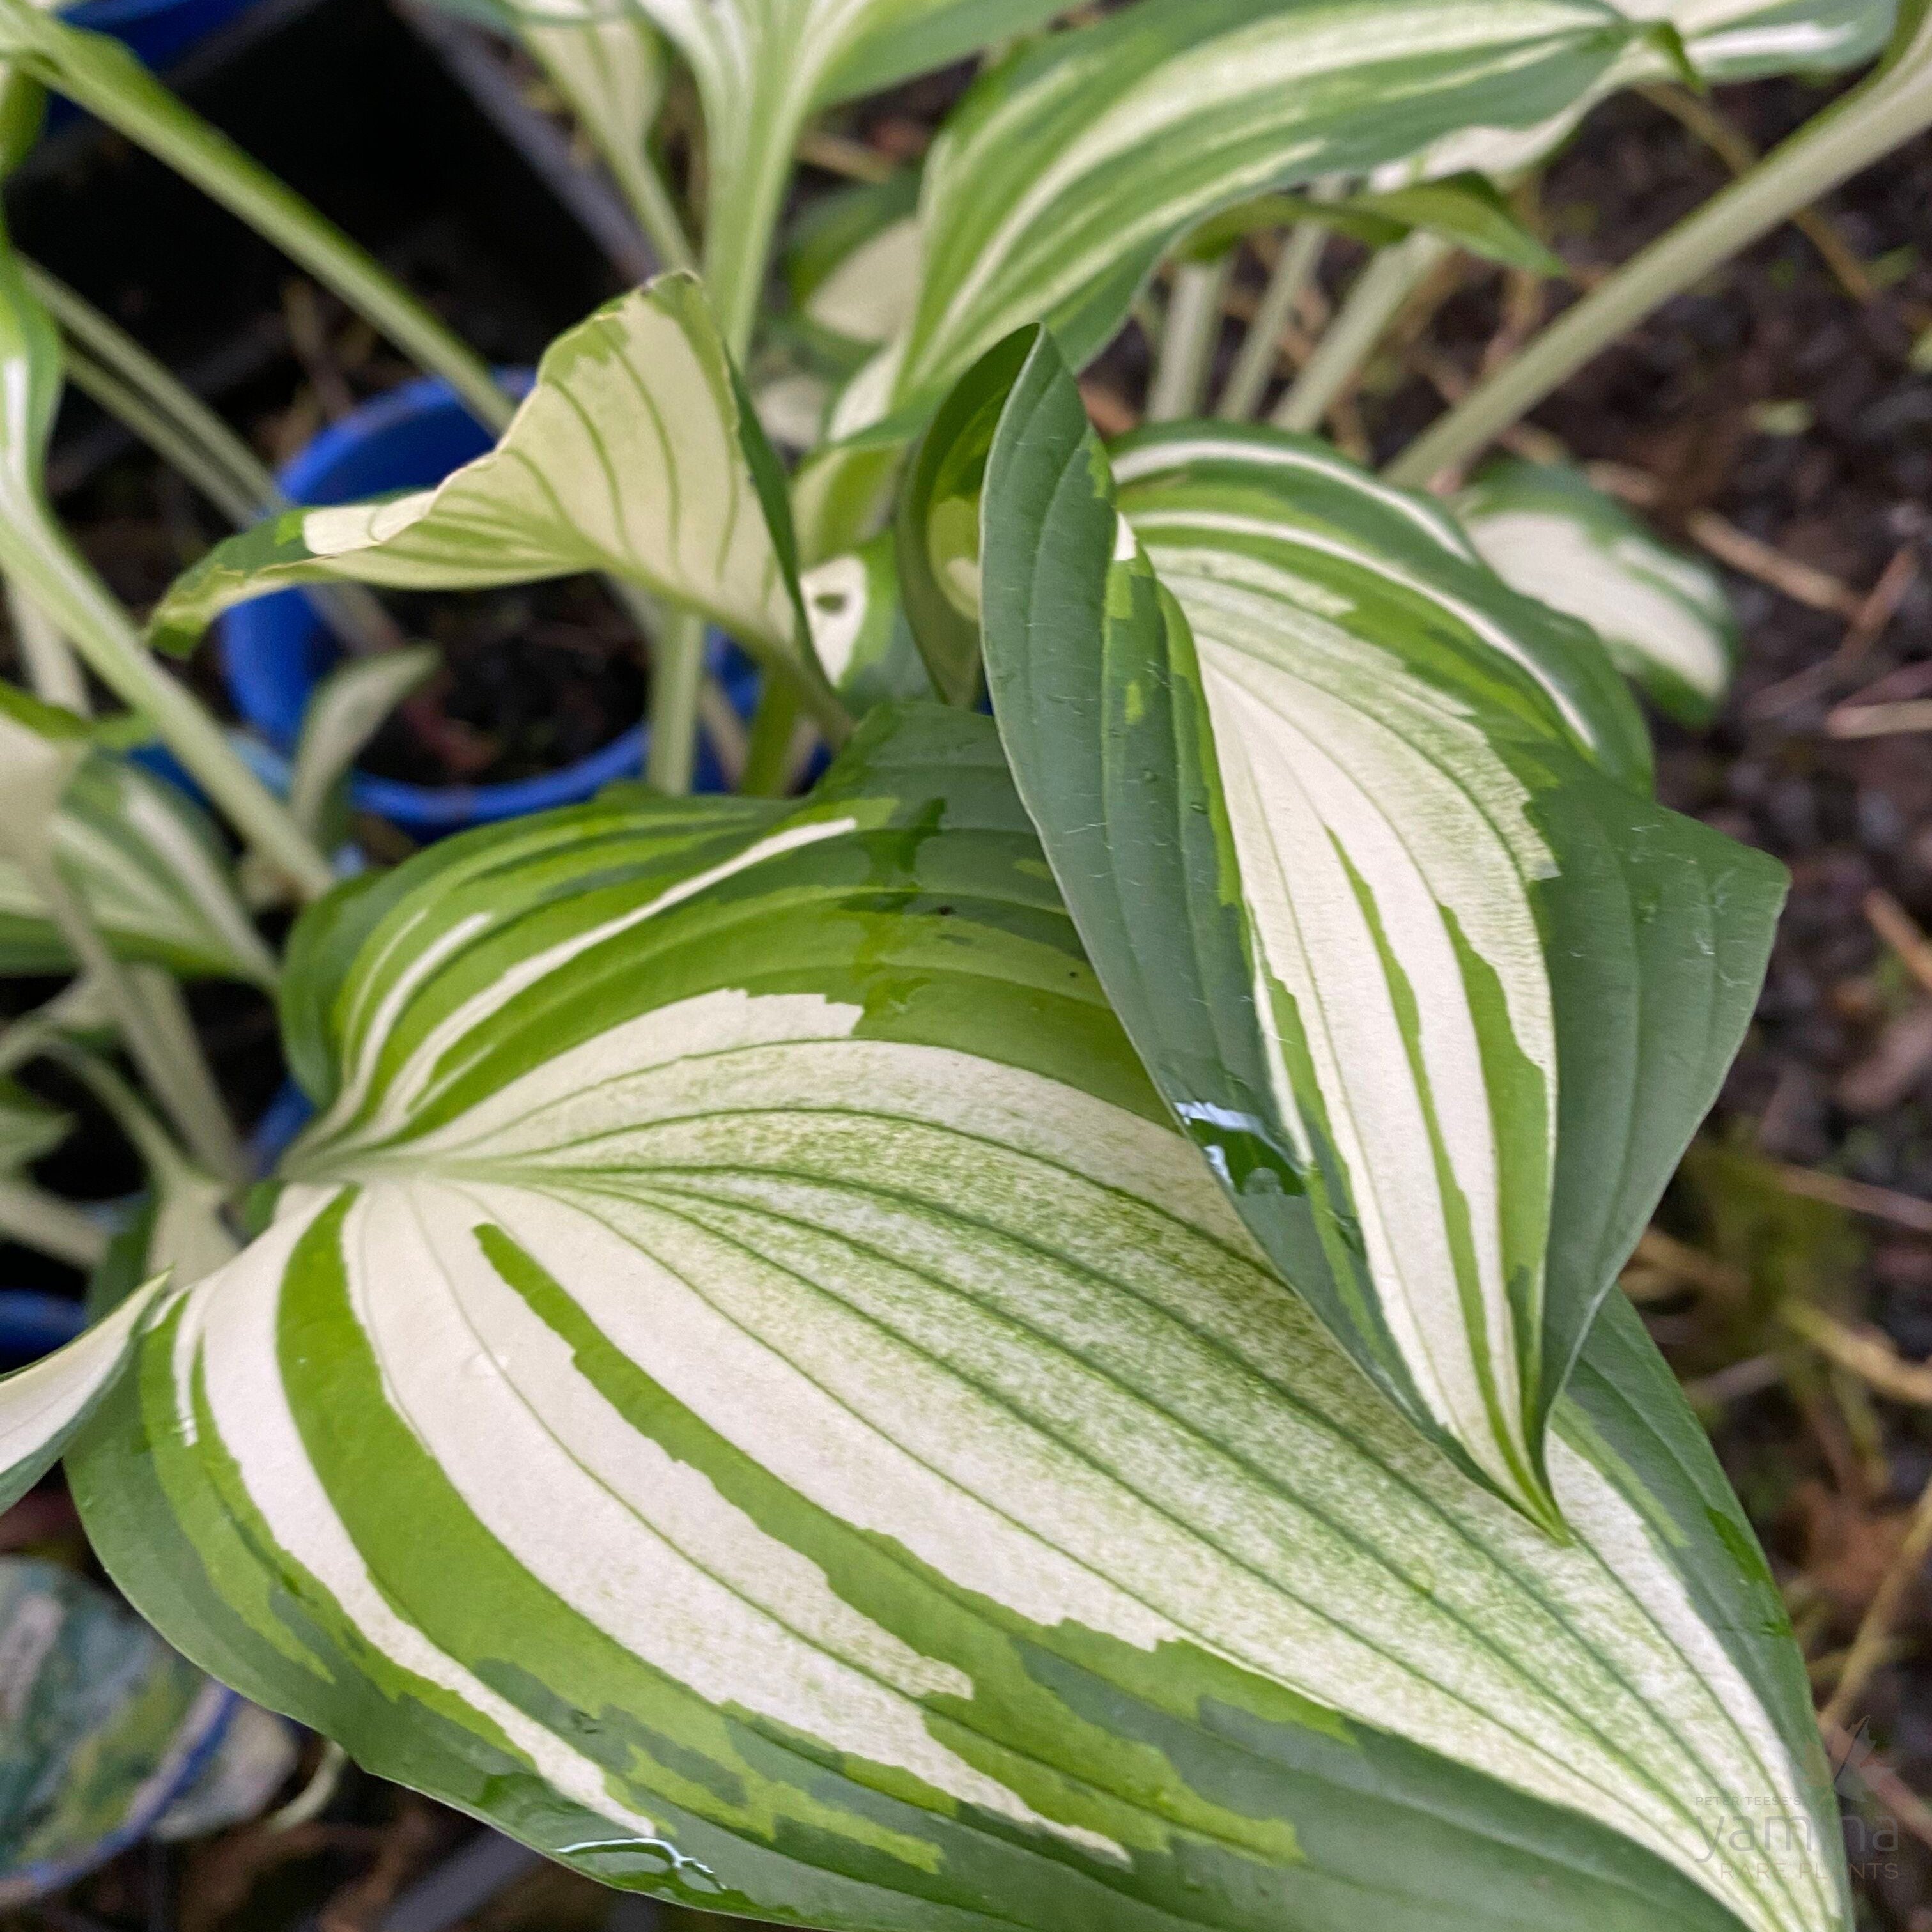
[[534, 677]]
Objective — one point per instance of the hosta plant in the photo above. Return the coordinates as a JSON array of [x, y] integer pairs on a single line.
[[1027, 1338]]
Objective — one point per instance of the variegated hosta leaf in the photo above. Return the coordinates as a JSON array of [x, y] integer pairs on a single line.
[[1741, 40], [150, 869], [635, 453], [852, 267], [1717, 40], [42, 1406], [605, 58], [1443, 999], [762, 66], [870, 295], [859, 634], [102, 1727], [147, 866], [1664, 616], [747, 1391], [1062, 177]]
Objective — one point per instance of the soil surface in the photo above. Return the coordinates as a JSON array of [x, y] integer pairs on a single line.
[[1771, 415]]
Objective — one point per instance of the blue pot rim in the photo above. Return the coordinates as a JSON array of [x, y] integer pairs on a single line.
[[103, 16], [376, 417]]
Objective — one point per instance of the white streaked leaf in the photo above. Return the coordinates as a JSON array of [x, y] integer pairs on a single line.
[[850, 264], [1339, 837], [870, 295], [1664, 616], [763, 67], [634, 453], [42, 1406], [859, 634], [347, 709], [1063, 176], [144, 862], [790, 56], [1720, 41], [107, 1736], [607, 60], [746, 1389], [149, 868], [1740, 40], [611, 70]]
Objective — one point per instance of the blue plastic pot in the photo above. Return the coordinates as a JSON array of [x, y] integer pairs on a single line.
[[33, 1325], [284, 1117], [157, 31], [276, 648]]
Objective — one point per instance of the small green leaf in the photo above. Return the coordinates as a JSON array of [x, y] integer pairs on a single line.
[[348, 708], [1464, 209]]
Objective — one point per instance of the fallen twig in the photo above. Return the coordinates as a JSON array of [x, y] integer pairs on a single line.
[[840, 154], [1881, 605], [1734, 1381], [1750, 556], [1902, 934], [1867, 1352], [1857, 1197], [1875, 1628], [1880, 721], [1867, 626]]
